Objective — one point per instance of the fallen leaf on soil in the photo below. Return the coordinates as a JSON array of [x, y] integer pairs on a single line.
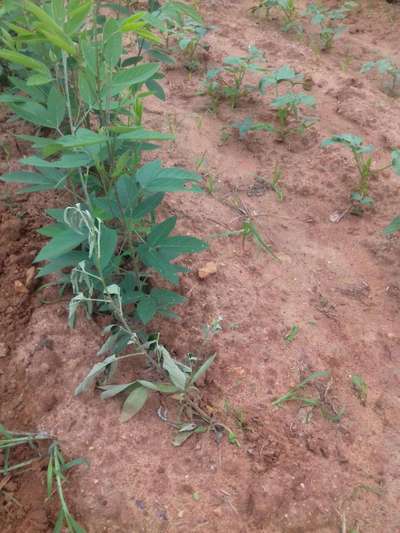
[[20, 287], [30, 276], [207, 270]]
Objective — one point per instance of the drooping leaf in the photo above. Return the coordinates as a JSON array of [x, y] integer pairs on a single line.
[[134, 403]]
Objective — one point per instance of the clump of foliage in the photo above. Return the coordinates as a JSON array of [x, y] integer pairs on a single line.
[[287, 8], [287, 106], [363, 163], [327, 20], [56, 469], [229, 81], [180, 27], [386, 67], [108, 243]]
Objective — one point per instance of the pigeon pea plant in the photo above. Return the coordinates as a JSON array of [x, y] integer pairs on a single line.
[[76, 83], [286, 7], [363, 162], [326, 19], [228, 81], [386, 67], [56, 469]]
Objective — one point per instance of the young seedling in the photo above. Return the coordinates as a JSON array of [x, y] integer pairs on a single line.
[[277, 177], [363, 162], [386, 67], [229, 81], [326, 19], [290, 337], [360, 388], [289, 117], [289, 114], [286, 7]]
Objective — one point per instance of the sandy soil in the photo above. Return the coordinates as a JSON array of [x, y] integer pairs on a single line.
[[296, 470]]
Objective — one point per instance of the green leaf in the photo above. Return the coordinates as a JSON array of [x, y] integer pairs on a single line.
[[25, 61], [134, 403], [108, 244], [112, 42], [146, 308], [66, 161], [60, 245], [396, 161], [38, 79], [97, 369], [50, 28], [76, 17], [56, 106], [178, 245], [147, 206], [113, 390], [203, 369], [38, 182], [161, 231], [133, 76], [177, 377], [70, 259], [393, 227], [153, 177], [141, 134], [164, 388]]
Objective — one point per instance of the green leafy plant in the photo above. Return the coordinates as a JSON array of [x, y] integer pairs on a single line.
[[360, 388], [108, 245], [363, 162], [286, 7], [56, 469], [290, 337], [326, 19], [386, 67], [229, 81], [289, 117], [180, 27]]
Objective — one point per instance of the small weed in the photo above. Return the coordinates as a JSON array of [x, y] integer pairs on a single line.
[[277, 177], [386, 67], [210, 184], [363, 162], [228, 81], [56, 469], [293, 393], [360, 388], [290, 337], [212, 329]]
